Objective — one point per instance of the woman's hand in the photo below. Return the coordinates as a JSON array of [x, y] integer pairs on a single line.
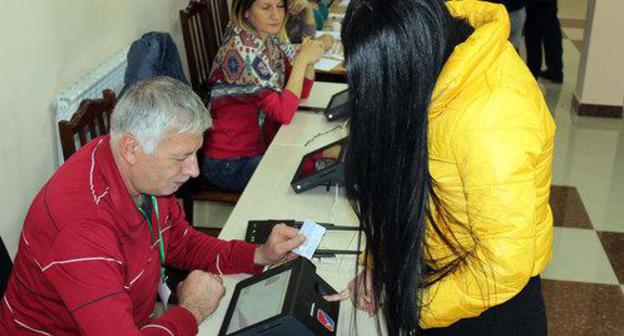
[[310, 52], [365, 297], [327, 40]]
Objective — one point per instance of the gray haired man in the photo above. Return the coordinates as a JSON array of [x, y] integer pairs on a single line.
[[98, 234]]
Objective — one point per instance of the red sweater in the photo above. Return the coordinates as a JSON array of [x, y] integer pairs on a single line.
[[86, 264], [235, 131]]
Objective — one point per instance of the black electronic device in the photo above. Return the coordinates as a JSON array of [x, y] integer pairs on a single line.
[[323, 166], [285, 300], [258, 232], [338, 106]]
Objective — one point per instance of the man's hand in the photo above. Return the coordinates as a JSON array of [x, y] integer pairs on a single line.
[[200, 293], [278, 246], [365, 297]]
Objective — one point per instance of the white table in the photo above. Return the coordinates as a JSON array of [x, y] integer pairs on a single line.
[[269, 196], [320, 95], [310, 130]]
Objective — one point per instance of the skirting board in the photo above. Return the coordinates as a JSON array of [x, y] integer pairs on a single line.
[[594, 110]]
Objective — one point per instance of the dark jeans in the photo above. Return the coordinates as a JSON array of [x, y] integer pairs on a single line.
[[230, 174], [524, 314], [542, 27]]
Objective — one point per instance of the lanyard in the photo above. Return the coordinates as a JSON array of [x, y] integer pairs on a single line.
[[161, 247]]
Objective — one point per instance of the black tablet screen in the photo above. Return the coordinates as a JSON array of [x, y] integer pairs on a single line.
[[259, 301], [339, 99], [318, 160]]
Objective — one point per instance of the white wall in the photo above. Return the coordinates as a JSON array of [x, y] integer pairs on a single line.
[[601, 72], [46, 45]]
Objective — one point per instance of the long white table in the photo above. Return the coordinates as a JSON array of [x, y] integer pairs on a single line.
[[320, 95], [269, 196]]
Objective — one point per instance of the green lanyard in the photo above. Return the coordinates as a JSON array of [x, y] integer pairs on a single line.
[[161, 247]]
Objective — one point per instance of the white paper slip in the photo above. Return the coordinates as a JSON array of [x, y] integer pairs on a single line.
[[313, 233], [326, 64]]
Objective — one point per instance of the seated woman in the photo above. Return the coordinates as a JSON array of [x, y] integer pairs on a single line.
[[448, 167], [256, 70], [306, 17]]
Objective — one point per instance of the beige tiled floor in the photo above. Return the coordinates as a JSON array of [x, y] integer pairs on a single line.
[[573, 33], [584, 309], [578, 255], [583, 286]]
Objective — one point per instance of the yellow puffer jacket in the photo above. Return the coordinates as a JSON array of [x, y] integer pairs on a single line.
[[491, 140]]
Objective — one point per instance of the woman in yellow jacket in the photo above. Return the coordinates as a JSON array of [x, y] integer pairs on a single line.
[[449, 169]]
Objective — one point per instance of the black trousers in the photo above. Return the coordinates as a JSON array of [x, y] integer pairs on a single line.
[[542, 27], [524, 314]]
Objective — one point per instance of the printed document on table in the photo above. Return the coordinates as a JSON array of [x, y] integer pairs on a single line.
[[326, 64]]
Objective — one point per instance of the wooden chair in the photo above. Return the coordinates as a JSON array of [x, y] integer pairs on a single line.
[[221, 14], [201, 41], [198, 189], [90, 121], [203, 28]]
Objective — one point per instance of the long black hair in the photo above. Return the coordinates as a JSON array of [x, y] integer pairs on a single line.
[[394, 53]]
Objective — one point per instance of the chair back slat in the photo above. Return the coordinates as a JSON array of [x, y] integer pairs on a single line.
[[82, 136], [90, 121], [101, 125], [223, 15], [203, 26]]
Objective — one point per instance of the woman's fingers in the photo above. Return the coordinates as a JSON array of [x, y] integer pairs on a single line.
[[345, 294]]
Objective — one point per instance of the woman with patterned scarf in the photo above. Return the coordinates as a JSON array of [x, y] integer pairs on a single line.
[[257, 82]]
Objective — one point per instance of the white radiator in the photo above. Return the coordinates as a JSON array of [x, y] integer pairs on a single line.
[[108, 75]]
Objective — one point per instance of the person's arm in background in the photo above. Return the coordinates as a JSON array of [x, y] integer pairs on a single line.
[[281, 107], [320, 15], [327, 41], [304, 8], [190, 249]]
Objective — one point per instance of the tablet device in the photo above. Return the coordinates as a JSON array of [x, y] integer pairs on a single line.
[[286, 300], [338, 106], [323, 166]]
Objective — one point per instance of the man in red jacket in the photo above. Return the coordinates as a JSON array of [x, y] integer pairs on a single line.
[[98, 234]]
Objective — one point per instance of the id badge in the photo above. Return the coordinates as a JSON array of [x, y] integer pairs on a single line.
[[163, 291]]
